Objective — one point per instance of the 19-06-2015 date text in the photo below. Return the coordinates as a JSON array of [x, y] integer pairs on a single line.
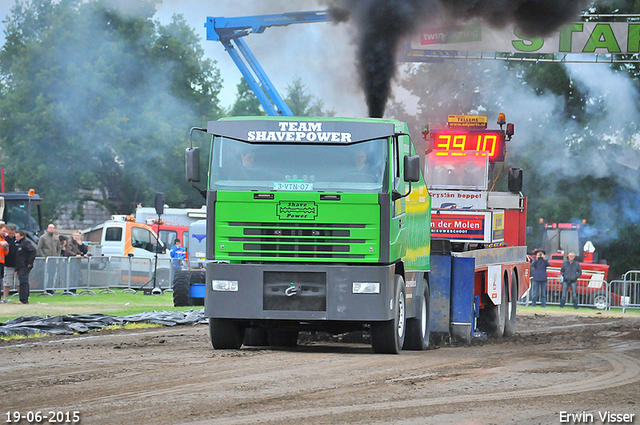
[[39, 417]]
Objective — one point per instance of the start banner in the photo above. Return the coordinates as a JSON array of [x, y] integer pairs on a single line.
[[476, 36]]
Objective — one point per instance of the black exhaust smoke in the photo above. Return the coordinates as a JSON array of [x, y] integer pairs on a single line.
[[384, 24]]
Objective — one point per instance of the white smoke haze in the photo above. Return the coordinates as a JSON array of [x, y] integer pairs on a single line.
[[322, 54]]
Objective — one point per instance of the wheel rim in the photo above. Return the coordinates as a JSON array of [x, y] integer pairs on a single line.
[[600, 302], [401, 317], [423, 318]]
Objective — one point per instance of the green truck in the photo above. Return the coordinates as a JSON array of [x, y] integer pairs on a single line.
[[315, 224]]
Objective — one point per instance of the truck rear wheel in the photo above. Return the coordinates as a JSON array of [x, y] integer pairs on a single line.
[[388, 337], [418, 331], [493, 317], [510, 324], [226, 333], [283, 338], [256, 337], [181, 282]]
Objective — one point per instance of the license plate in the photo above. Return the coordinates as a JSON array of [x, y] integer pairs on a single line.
[[292, 186]]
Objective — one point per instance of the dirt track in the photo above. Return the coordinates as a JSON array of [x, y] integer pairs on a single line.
[[555, 364]]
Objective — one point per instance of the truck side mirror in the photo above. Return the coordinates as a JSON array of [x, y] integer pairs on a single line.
[[412, 168], [192, 164], [515, 180]]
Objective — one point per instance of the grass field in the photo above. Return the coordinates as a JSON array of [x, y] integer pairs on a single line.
[[125, 304], [112, 304], [582, 311]]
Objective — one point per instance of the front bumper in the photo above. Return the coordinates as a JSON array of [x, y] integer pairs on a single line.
[[300, 292]]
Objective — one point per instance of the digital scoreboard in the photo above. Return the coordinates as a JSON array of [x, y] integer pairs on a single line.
[[457, 142]]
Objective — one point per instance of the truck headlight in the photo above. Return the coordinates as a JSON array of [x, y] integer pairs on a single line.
[[366, 287], [225, 285]]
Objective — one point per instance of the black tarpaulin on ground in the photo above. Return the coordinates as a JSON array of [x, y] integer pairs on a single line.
[[80, 323]]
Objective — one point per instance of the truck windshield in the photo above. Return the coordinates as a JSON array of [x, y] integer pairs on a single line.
[[358, 167]]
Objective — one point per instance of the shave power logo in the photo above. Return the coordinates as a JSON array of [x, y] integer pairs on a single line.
[[297, 210]]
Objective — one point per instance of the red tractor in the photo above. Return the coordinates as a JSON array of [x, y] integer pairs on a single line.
[[558, 240]]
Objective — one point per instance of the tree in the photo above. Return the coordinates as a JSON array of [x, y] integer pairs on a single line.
[[303, 103], [97, 97], [246, 104]]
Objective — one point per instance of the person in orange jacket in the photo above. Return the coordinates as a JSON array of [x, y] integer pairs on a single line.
[[4, 250]]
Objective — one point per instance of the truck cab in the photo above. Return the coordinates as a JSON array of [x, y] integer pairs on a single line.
[[24, 210], [318, 224], [122, 236]]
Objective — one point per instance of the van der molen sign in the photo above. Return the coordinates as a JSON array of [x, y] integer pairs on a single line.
[[584, 37]]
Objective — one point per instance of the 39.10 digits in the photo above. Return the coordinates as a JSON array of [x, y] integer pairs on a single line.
[[37, 417]]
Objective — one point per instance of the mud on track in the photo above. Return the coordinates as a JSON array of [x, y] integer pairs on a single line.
[[555, 363]]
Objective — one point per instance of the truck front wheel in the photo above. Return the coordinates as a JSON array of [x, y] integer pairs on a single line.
[[226, 333], [418, 332], [388, 337]]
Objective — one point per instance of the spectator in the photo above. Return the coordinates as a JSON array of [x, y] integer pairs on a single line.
[[49, 246], [49, 243], [77, 249], [539, 275], [63, 246], [177, 254], [10, 262], [570, 272], [4, 250], [25, 256]]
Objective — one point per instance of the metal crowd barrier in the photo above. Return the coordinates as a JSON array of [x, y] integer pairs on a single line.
[[594, 293], [91, 275]]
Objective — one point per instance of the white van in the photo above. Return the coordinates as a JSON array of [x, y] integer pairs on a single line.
[[122, 236]]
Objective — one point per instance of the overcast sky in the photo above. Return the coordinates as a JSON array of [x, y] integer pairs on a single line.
[[322, 54]]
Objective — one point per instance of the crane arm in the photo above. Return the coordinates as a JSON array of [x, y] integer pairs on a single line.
[[229, 31]]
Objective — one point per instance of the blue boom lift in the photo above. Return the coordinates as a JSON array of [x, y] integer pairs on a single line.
[[229, 31]]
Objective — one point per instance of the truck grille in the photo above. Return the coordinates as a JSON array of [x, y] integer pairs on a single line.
[[298, 240]]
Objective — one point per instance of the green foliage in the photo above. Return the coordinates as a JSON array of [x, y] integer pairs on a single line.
[[303, 103], [246, 104], [96, 95], [624, 251]]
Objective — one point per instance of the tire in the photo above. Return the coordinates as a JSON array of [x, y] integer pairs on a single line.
[[256, 337], [181, 283], [282, 338], [388, 337], [600, 301], [418, 328], [493, 317], [226, 334], [510, 324], [198, 277]]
